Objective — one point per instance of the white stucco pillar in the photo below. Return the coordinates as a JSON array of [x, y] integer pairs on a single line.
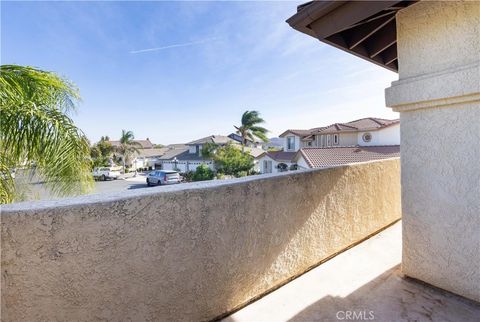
[[438, 97]]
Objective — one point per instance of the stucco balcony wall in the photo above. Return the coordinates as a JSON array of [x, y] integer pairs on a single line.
[[188, 252]]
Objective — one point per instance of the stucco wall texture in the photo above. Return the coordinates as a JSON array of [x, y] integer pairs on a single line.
[[441, 199], [438, 97], [188, 252]]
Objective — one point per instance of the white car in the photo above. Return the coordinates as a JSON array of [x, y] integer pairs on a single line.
[[163, 177], [106, 173]]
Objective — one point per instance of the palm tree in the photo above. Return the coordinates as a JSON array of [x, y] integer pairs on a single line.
[[250, 127], [37, 133], [127, 146]]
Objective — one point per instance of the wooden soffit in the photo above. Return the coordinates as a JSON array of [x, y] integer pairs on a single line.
[[366, 29]]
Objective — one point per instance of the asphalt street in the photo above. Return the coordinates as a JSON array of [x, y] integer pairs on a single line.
[[38, 191]]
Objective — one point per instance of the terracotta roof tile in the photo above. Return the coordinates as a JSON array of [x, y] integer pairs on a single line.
[[365, 124], [327, 157]]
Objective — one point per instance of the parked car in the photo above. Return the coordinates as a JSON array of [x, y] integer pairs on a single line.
[[160, 177], [106, 173]]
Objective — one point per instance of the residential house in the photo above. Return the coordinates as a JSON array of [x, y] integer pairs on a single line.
[[184, 157], [148, 158], [339, 143], [145, 156], [276, 161], [368, 131], [189, 156], [142, 144]]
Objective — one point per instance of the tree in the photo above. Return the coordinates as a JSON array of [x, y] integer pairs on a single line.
[[101, 152], [37, 133], [229, 159], [105, 147], [127, 146], [250, 127], [202, 173], [209, 149]]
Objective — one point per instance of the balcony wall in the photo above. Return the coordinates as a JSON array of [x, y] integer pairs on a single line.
[[187, 252]]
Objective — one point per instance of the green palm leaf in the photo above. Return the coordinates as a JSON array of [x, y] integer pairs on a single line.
[[128, 146], [250, 127], [35, 129]]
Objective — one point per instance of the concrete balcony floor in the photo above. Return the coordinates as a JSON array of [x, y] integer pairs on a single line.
[[365, 280]]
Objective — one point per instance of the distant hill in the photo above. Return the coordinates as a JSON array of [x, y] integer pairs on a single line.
[[275, 143]]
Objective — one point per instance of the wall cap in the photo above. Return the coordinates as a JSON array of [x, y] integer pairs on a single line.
[[453, 86]]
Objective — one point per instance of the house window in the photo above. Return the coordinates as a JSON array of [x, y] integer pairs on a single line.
[[282, 167], [335, 139], [290, 143], [309, 143], [367, 137], [329, 140]]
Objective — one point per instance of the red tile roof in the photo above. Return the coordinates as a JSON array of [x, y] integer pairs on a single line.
[[327, 157], [365, 124]]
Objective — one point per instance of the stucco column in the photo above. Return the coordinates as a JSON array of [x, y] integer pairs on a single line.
[[438, 97]]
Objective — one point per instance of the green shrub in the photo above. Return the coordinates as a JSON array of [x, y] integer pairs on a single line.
[[230, 160], [241, 174], [203, 173]]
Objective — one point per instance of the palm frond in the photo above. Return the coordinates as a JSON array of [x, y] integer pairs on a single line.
[[35, 128], [250, 118], [250, 128]]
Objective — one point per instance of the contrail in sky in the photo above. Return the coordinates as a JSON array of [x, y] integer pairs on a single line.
[[174, 46]]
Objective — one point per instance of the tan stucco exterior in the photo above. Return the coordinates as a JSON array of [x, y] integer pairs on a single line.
[[438, 97], [188, 252]]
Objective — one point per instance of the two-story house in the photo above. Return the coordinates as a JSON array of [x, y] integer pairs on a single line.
[[339, 143], [189, 156]]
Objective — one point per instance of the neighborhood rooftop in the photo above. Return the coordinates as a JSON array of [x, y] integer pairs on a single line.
[[364, 124], [216, 139], [325, 157], [281, 155], [143, 144], [152, 152]]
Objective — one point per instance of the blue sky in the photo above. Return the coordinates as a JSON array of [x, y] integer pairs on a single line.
[[178, 71]]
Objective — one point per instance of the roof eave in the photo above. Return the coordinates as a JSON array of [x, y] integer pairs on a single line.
[[365, 29]]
